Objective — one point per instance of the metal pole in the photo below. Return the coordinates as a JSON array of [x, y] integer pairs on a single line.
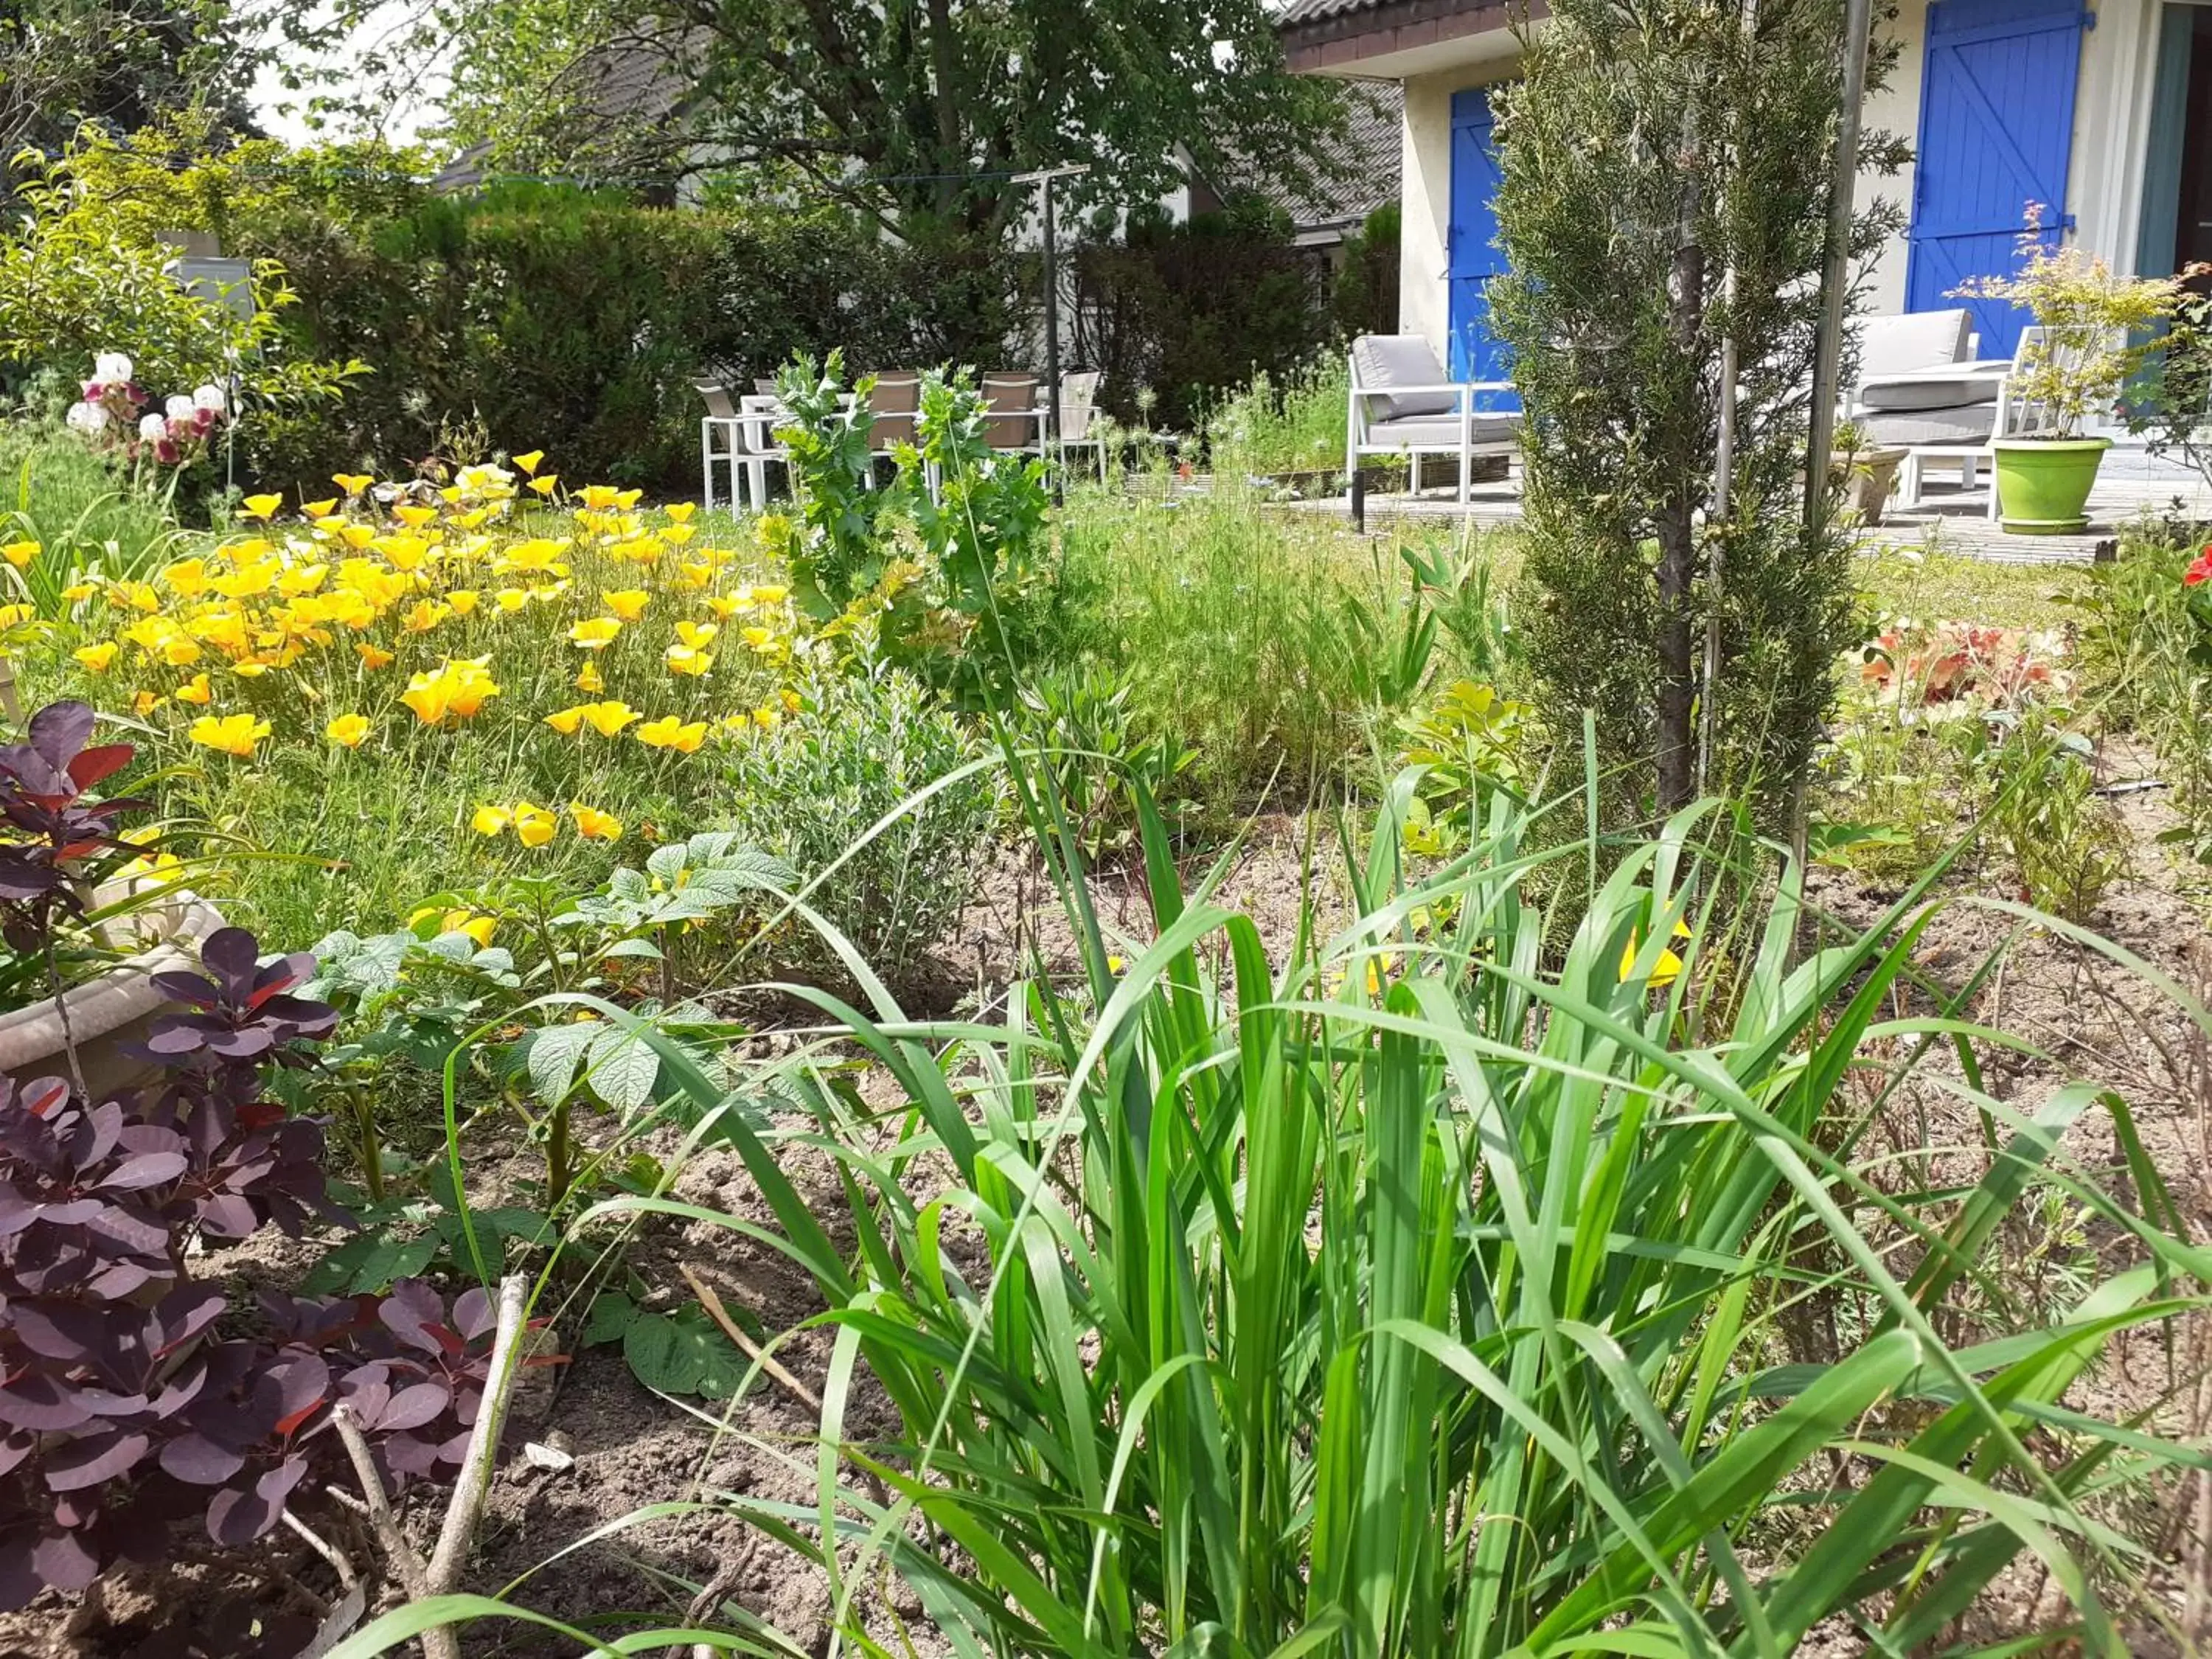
[[1048, 439], [1827, 357]]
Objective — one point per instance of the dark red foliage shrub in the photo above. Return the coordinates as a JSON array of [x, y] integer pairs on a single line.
[[131, 1397]]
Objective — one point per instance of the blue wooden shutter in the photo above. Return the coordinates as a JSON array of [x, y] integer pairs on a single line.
[[1474, 255], [1996, 126]]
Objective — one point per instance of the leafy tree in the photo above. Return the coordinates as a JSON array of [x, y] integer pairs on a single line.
[[914, 110], [120, 64], [1666, 183]]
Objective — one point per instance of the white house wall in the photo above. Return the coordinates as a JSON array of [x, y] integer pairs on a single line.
[[2105, 173]]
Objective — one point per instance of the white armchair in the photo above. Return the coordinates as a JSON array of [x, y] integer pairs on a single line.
[[1403, 404]]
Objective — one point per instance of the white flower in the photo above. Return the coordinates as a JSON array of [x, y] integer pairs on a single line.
[[210, 396], [153, 428], [179, 407], [111, 366], [87, 418]]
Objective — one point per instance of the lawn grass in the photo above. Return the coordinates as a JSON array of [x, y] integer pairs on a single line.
[[1939, 586]]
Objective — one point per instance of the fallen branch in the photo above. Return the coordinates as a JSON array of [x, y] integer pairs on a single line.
[[442, 1572], [751, 1350]]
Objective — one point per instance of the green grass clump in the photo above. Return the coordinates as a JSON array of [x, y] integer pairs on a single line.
[[1232, 621], [1431, 1293], [1295, 427]]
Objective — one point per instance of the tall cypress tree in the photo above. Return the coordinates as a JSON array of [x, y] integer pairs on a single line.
[[1667, 167]]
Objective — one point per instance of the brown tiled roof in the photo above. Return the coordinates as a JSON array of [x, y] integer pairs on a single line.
[[1307, 11], [1368, 161], [1334, 35]]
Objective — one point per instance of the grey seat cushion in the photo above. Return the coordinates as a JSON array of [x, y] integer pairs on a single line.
[[1930, 394], [1383, 361], [1966, 423], [1433, 432], [1918, 339]]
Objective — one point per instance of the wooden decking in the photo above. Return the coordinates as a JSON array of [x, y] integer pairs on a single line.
[[2129, 484]]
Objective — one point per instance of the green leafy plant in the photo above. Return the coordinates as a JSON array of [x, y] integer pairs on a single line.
[[863, 747], [837, 553], [2097, 326], [2066, 842], [1275, 1286], [1099, 759], [671, 1351]]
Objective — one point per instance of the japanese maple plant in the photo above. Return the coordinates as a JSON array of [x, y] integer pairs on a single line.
[[134, 1395]]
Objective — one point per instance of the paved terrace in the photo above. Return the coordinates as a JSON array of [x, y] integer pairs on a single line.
[[2130, 482]]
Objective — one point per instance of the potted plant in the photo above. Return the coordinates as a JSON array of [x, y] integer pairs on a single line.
[[1865, 472], [2095, 331]]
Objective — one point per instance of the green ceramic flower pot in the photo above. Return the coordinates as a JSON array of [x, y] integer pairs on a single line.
[[2044, 483]]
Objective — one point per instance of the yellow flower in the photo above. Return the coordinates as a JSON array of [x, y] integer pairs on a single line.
[[457, 687], [609, 718], [510, 599], [671, 733], [591, 679], [771, 594], [568, 721], [319, 509], [724, 605], [1666, 970], [682, 511], [546, 485], [78, 593], [759, 638], [790, 700], [195, 690], [686, 659], [479, 929], [14, 616], [230, 734], [352, 483], [259, 506], [463, 600], [143, 703], [600, 497], [426, 615], [20, 554], [528, 462], [594, 824], [348, 730], [97, 657], [414, 517], [490, 820], [628, 604], [768, 717], [595, 632], [697, 635], [736, 723], [374, 656], [533, 825]]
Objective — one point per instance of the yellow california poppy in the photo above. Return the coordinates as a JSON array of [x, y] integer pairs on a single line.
[[374, 656], [628, 604], [1666, 970], [591, 679], [259, 506], [352, 483], [490, 820], [348, 731], [671, 733], [195, 690], [533, 825], [595, 632], [229, 734], [97, 657], [594, 824], [528, 462], [20, 554]]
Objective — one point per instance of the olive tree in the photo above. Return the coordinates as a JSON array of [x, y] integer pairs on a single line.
[[1666, 182]]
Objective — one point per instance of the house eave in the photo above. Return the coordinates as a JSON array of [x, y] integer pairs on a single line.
[[1397, 39]]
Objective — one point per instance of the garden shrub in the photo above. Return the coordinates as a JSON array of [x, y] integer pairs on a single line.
[[74, 504], [1191, 312], [136, 1396], [1291, 424], [860, 746]]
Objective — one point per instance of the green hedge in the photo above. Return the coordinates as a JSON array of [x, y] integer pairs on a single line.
[[536, 316]]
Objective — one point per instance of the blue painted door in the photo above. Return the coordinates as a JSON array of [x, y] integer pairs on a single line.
[[1996, 124], [1474, 255]]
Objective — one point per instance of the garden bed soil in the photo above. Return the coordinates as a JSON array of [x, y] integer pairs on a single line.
[[631, 1448]]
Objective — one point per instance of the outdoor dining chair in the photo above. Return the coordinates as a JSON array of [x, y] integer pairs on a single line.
[[894, 405], [1016, 425], [1078, 408], [722, 438]]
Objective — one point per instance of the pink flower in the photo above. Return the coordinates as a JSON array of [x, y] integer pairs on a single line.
[[166, 453]]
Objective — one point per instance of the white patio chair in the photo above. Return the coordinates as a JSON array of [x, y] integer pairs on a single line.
[[1078, 408], [1402, 403], [722, 421]]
